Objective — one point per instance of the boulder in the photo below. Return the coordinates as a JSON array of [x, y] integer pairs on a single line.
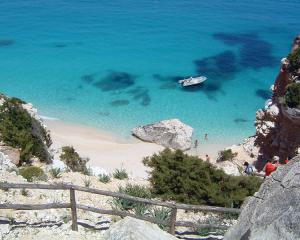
[[12, 153], [274, 211], [168, 133], [134, 229]]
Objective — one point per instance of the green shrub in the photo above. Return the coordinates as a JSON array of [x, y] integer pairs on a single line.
[[292, 96], [120, 174], [210, 230], [24, 192], [226, 155], [294, 61], [163, 214], [73, 161], [187, 179], [135, 191], [55, 172], [19, 130], [32, 173], [104, 178]]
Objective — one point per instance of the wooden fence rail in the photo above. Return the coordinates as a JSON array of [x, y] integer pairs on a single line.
[[74, 206]]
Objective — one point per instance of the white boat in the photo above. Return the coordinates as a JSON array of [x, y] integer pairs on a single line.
[[192, 81]]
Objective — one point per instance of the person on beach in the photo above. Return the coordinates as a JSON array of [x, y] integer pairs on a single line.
[[196, 143], [207, 158], [206, 137]]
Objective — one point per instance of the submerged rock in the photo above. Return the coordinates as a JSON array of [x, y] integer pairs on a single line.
[[168, 133], [274, 211], [134, 229]]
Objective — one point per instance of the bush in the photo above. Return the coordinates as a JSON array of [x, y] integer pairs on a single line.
[[292, 96], [187, 179], [135, 191], [55, 172], [19, 130], [104, 178], [163, 214], [294, 61], [120, 174], [32, 173], [226, 155], [73, 161], [87, 182]]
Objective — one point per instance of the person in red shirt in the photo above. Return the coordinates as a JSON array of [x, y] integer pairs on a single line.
[[270, 167]]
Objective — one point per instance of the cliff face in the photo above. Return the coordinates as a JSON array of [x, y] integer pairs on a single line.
[[278, 127], [274, 211]]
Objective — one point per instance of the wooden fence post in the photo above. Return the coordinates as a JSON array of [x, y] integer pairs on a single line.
[[173, 221], [73, 209]]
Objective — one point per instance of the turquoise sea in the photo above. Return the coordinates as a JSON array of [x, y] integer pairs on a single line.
[[114, 64]]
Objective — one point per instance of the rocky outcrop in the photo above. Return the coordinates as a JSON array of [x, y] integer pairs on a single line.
[[277, 127], [168, 133], [134, 229], [273, 212]]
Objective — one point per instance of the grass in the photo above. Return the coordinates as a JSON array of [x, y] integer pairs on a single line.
[[87, 182], [104, 178], [120, 174], [55, 172]]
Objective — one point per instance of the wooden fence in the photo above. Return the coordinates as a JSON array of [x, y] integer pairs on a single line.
[[74, 206]]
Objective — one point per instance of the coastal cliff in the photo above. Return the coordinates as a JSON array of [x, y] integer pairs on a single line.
[[278, 126]]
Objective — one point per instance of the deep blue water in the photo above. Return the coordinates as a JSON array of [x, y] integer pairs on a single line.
[[115, 64]]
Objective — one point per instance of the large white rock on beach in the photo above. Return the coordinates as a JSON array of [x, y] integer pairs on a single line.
[[134, 229], [169, 133]]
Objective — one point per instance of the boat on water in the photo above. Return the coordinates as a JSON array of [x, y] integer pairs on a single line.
[[192, 81]]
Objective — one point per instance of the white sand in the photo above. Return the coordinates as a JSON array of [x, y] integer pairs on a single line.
[[110, 152]]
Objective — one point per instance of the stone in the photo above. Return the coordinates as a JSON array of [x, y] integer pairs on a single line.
[[229, 168], [168, 133], [134, 229], [274, 211], [12, 153]]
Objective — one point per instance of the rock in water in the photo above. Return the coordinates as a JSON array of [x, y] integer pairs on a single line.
[[134, 229], [274, 211], [168, 133]]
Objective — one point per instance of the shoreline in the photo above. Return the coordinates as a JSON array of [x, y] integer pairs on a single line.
[[109, 151]]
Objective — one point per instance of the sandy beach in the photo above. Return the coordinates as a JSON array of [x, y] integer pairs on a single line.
[[108, 151]]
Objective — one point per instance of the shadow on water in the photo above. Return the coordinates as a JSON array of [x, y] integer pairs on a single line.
[[140, 94], [115, 81], [88, 78], [264, 94], [6, 42], [254, 52], [120, 102], [240, 120]]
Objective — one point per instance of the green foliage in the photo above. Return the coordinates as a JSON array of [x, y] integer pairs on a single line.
[[120, 174], [73, 161], [294, 61], [87, 182], [226, 155], [163, 214], [292, 96], [55, 172], [187, 179], [210, 230], [135, 191], [4, 189], [19, 130], [104, 178], [24, 192], [32, 173]]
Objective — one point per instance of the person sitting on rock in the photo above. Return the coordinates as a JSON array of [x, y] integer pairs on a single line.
[[269, 167], [249, 169]]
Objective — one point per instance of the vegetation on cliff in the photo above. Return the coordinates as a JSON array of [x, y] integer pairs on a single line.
[[20, 130], [73, 161], [294, 62], [292, 96], [187, 179]]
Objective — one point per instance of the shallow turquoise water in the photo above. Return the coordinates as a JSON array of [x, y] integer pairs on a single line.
[[114, 64]]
